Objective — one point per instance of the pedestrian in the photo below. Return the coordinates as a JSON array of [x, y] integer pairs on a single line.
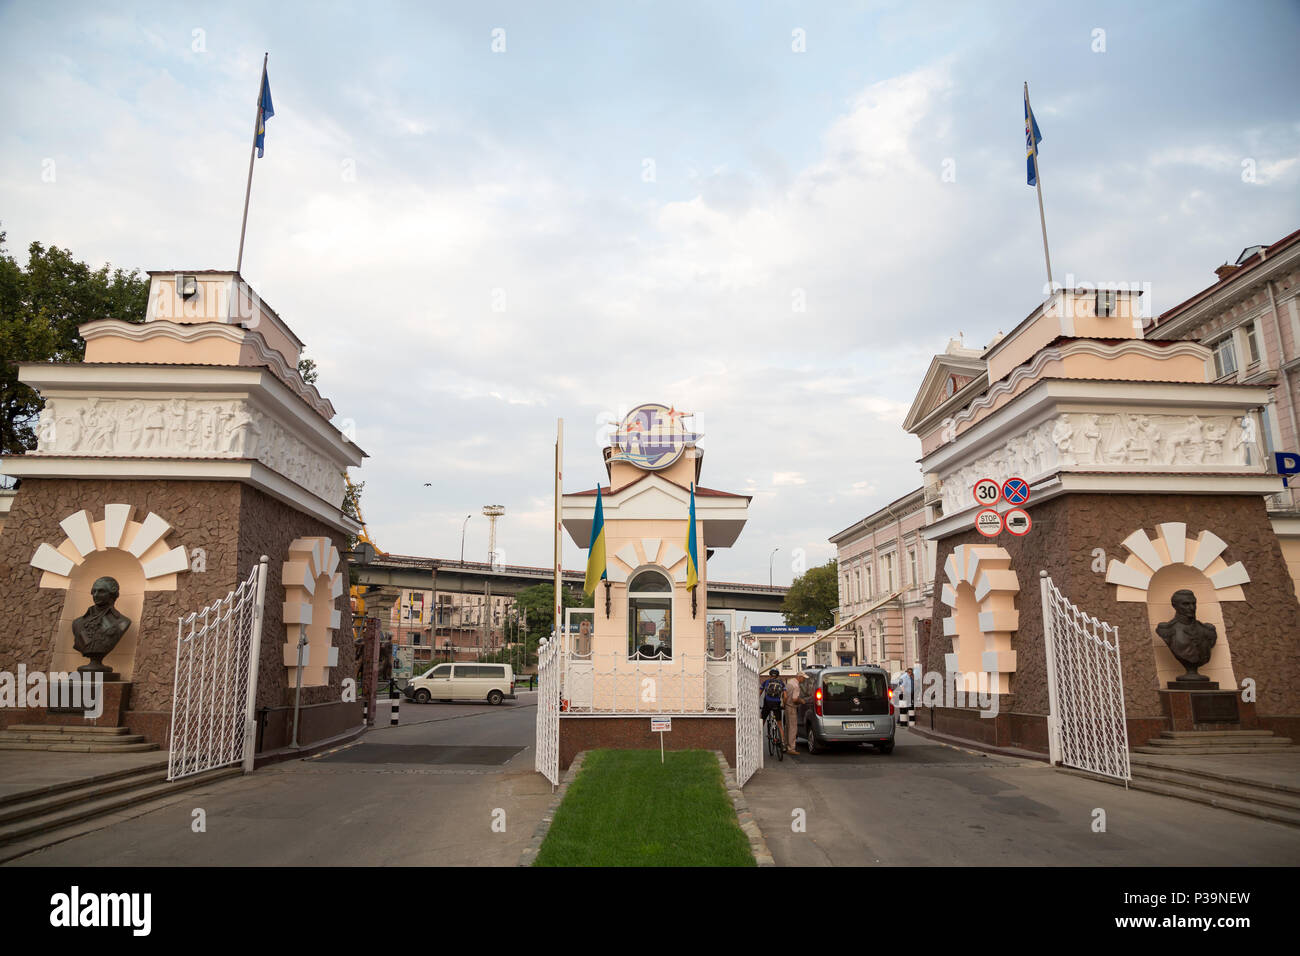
[[793, 698], [906, 698]]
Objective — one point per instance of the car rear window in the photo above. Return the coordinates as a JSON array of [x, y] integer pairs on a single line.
[[846, 686]]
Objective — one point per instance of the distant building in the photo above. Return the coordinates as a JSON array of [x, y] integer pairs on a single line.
[[425, 628], [1250, 321], [886, 568]]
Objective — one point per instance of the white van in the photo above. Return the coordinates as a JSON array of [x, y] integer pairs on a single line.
[[491, 682]]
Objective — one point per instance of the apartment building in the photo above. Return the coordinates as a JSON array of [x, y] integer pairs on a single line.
[[886, 568]]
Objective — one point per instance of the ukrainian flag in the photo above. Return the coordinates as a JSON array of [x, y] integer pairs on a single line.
[[264, 112], [596, 570], [692, 554], [1032, 139]]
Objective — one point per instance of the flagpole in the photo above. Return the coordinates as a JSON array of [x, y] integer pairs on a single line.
[[1038, 184], [252, 152], [559, 491]]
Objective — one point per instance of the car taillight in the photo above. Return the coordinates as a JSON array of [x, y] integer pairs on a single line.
[[819, 702]]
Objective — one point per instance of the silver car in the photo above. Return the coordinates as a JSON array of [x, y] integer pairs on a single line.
[[848, 705]]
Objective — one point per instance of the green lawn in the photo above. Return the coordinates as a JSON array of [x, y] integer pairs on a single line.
[[627, 809]]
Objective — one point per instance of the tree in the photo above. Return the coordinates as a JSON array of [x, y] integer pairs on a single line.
[[813, 597], [352, 507], [41, 308], [538, 606], [307, 369]]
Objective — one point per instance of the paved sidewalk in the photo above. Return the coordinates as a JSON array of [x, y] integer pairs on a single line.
[[1274, 770]]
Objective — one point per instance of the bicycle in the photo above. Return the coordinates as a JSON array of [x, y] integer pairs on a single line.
[[775, 739]]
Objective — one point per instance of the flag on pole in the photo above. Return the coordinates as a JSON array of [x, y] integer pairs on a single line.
[[1032, 139], [596, 569], [692, 553], [264, 112]]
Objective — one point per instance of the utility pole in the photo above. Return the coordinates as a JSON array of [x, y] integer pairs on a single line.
[[491, 512]]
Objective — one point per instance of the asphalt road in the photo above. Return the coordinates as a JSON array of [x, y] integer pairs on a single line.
[[426, 793], [929, 804]]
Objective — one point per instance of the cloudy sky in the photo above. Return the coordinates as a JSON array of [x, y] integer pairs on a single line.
[[482, 217]]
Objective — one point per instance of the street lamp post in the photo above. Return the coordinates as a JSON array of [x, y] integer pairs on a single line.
[[769, 565], [461, 610]]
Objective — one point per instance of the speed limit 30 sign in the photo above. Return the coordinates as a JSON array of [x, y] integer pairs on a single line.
[[987, 492]]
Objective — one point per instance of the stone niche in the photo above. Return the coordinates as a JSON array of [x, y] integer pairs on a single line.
[[136, 554]]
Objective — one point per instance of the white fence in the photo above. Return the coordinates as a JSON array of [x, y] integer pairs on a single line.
[[749, 729], [215, 683], [616, 684], [1085, 688], [548, 711]]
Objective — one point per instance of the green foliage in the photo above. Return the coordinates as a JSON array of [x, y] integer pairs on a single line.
[[41, 308], [352, 507], [307, 369], [813, 597]]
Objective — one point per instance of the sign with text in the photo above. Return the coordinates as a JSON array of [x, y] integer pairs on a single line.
[[987, 492], [988, 523], [661, 725]]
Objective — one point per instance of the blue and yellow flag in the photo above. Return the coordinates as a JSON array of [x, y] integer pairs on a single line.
[[692, 554], [264, 112], [1032, 139], [596, 570]]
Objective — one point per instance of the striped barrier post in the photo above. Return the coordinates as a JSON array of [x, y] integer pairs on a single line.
[[397, 703]]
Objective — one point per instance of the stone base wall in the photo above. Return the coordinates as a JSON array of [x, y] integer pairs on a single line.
[[234, 524], [1063, 540], [633, 733]]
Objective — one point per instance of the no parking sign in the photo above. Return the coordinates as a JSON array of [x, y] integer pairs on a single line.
[[1015, 491]]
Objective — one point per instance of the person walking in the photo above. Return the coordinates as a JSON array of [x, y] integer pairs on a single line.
[[793, 698]]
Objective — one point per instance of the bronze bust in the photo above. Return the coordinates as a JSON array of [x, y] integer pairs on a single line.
[[1189, 640], [97, 632]]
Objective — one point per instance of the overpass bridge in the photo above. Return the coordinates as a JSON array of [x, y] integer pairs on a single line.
[[397, 571]]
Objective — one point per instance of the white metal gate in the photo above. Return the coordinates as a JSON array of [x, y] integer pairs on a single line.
[[548, 710], [749, 728], [214, 689], [1085, 688]]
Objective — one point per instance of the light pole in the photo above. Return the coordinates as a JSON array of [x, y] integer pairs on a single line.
[[770, 558], [460, 613]]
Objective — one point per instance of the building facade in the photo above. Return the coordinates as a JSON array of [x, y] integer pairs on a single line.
[[886, 574], [1250, 322]]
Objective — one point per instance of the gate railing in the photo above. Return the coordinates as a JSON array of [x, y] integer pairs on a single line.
[[215, 685], [548, 710], [749, 728], [1085, 688], [616, 684]]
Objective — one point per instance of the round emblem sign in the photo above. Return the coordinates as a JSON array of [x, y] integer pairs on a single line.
[[1018, 521], [988, 523], [987, 492], [652, 436]]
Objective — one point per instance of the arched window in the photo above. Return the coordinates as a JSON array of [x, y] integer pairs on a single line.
[[650, 616]]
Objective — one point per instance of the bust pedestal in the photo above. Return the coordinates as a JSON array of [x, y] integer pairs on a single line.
[[1206, 709], [116, 700]]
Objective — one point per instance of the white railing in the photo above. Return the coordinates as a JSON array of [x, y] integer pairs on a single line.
[[1085, 685], [749, 729], [215, 682], [616, 684], [548, 711]]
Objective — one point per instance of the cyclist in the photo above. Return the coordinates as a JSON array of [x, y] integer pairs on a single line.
[[774, 699]]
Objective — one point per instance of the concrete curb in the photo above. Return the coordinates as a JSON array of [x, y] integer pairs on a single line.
[[757, 845], [534, 846], [971, 747]]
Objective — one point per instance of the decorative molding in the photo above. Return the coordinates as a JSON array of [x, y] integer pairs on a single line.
[[184, 428], [146, 541], [312, 584], [192, 332], [987, 569], [1114, 441], [1132, 577]]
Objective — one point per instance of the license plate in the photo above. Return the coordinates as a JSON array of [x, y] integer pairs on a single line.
[[859, 725]]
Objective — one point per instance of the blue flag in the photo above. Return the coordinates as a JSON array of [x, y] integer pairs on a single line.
[[1032, 139], [264, 112]]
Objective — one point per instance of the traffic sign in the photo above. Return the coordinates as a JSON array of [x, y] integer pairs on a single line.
[[987, 492], [1018, 521], [988, 523], [1015, 490]]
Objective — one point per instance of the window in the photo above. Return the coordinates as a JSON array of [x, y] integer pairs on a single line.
[[1252, 341], [860, 595], [650, 616], [1107, 303], [1225, 358], [911, 567], [768, 649], [889, 572], [871, 591]]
